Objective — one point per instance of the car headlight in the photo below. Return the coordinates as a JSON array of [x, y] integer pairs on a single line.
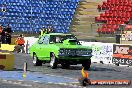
[[61, 52], [66, 52], [87, 52], [84, 52]]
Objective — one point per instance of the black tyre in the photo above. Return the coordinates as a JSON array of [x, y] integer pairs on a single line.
[[101, 62], [117, 64], [87, 64], [53, 61], [36, 61], [65, 65]]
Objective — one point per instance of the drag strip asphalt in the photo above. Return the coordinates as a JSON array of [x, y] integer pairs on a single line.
[[44, 75], [17, 75]]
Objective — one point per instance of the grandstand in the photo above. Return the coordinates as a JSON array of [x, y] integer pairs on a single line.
[[30, 15], [103, 17], [115, 13], [84, 24], [84, 18]]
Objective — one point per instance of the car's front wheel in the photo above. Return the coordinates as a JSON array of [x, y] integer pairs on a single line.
[[53, 61], [36, 61], [87, 64]]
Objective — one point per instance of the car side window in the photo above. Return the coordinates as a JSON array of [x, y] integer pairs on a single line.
[[40, 41], [52, 39], [44, 40]]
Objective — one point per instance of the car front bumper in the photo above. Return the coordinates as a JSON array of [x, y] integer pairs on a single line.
[[73, 60], [82, 57]]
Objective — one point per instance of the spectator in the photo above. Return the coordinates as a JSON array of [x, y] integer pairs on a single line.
[[20, 44], [8, 32], [42, 31], [1, 29], [3, 9], [3, 36], [58, 39], [50, 29]]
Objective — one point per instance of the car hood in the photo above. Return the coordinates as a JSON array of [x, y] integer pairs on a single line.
[[71, 46]]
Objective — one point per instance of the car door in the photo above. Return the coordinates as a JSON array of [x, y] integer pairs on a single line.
[[43, 47]]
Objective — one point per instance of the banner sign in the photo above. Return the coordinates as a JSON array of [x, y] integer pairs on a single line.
[[102, 52], [122, 54]]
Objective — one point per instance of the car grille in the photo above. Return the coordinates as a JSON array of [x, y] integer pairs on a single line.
[[75, 52]]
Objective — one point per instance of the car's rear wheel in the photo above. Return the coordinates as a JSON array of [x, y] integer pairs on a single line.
[[87, 64], [65, 65], [36, 61], [53, 61]]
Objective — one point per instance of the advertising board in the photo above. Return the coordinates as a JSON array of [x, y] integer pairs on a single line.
[[122, 54]]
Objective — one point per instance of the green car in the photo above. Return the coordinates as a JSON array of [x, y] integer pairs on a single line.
[[59, 48]]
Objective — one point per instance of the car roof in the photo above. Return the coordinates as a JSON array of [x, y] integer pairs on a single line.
[[57, 34]]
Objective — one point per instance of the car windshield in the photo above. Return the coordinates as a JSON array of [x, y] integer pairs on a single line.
[[61, 38]]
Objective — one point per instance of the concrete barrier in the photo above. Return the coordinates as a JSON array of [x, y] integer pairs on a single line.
[[7, 47], [6, 61], [13, 41]]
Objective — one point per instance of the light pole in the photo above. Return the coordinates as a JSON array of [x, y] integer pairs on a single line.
[[122, 27], [34, 24], [30, 18], [18, 22], [3, 10]]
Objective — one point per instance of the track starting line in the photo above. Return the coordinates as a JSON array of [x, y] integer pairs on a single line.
[[36, 77]]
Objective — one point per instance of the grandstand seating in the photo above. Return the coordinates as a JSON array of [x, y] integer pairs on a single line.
[[116, 12], [31, 15]]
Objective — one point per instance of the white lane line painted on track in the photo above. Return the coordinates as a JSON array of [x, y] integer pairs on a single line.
[[37, 81], [21, 80], [50, 82], [9, 82], [25, 85], [4, 80], [61, 76], [15, 83], [66, 84]]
